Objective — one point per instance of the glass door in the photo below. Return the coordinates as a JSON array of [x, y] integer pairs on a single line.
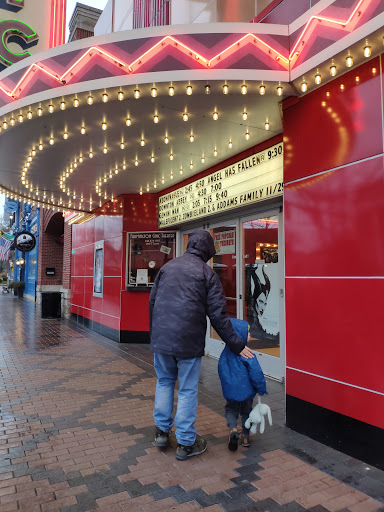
[[262, 291], [224, 263]]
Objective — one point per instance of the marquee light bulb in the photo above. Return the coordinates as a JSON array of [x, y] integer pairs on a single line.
[[192, 137], [304, 86], [155, 118], [262, 90], [12, 121], [51, 141], [82, 130], [166, 139], [136, 162], [279, 90], [29, 114], [207, 89], [333, 70], [124, 166], [5, 125], [30, 158], [245, 116], [62, 105], [367, 51], [155, 185], [21, 118], [215, 116], [153, 92], [162, 181], [152, 159], [75, 164], [105, 150], [136, 93], [243, 89], [317, 79], [128, 121], [215, 152], [185, 116], [189, 90], [202, 159], [171, 156], [247, 135], [90, 100], [171, 176], [81, 160], [225, 88], [191, 165], [230, 144], [142, 142], [266, 125], [90, 154], [40, 146], [104, 97], [171, 90], [33, 152], [39, 111], [76, 102], [65, 135], [120, 95], [122, 145], [349, 61], [116, 170], [51, 108], [104, 125]]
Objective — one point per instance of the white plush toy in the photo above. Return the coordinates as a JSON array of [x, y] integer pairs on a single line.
[[257, 417]]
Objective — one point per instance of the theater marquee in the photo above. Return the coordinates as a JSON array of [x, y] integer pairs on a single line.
[[251, 180]]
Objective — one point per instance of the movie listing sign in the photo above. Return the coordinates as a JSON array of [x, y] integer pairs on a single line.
[[251, 180]]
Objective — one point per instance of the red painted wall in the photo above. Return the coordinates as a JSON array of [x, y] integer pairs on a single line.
[[334, 253]]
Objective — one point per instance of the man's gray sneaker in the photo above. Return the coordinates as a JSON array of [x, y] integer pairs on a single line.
[[161, 438], [185, 452]]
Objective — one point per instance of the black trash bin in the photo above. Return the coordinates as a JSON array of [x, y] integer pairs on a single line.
[[51, 305]]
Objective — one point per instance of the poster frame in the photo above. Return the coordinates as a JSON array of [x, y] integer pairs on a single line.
[[98, 250]]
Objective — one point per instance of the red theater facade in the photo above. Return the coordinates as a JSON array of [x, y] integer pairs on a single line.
[[269, 135]]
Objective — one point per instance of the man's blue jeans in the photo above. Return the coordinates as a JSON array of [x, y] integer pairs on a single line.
[[168, 369]]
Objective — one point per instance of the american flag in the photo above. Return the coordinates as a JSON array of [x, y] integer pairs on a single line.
[[4, 248]]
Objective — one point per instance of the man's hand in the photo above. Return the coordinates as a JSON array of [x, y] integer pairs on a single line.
[[247, 353]]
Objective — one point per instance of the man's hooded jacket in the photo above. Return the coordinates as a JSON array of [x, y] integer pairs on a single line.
[[240, 378], [185, 292]]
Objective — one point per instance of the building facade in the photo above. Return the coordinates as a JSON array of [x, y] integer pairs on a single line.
[[265, 133]]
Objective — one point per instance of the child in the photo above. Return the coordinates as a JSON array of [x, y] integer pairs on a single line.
[[240, 380]]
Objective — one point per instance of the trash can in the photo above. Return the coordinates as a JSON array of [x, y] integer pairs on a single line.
[[51, 305]]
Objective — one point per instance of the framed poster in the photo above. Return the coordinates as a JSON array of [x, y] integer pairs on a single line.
[[147, 252], [98, 269]]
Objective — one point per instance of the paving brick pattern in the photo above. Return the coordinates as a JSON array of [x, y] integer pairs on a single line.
[[76, 435]]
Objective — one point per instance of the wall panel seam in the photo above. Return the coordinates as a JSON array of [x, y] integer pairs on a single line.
[[334, 380], [378, 155]]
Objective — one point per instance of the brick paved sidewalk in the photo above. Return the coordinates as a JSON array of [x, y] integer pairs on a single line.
[[77, 435]]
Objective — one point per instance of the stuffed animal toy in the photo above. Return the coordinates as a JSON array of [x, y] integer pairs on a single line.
[[257, 417]]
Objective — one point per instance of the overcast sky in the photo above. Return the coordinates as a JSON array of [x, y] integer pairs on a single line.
[[100, 4]]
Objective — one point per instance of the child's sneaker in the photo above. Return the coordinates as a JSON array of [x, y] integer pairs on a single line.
[[245, 441], [233, 440]]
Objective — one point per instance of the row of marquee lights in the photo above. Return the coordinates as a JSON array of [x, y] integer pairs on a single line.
[[170, 40], [61, 207], [115, 171], [21, 116], [120, 96]]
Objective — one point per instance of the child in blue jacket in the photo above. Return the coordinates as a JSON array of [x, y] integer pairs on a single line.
[[240, 380]]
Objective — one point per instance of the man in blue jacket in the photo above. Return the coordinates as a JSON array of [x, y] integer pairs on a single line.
[[185, 292]]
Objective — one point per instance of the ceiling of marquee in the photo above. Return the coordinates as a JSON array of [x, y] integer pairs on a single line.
[[52, 162]]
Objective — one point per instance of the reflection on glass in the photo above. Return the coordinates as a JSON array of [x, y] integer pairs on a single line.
[[260, 268], [224, 264]]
